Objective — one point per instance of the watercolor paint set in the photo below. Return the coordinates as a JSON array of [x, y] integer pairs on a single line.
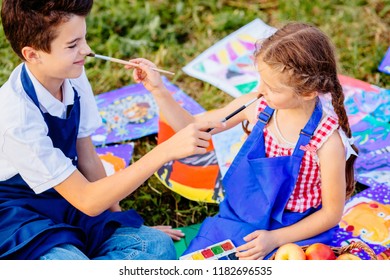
[[221, 250]]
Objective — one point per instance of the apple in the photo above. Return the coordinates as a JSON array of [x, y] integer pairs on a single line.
[[348, 256], [290, 251], [380, 257], [319, 251], [385, 255]]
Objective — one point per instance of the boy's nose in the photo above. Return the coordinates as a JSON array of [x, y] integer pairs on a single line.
[[85, 49]]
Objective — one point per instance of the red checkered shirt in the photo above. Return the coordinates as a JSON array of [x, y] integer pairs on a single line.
[[307, 190]]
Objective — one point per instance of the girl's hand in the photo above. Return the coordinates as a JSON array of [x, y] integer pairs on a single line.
[[144, 74], [191, 140], [175, 234], [259, 244]]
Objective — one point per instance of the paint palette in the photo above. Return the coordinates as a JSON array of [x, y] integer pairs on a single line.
[[216, 251]]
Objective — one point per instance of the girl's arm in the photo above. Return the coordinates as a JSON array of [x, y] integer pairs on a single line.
[[177, 116], [332, 166], [333, 187], [92, 198]]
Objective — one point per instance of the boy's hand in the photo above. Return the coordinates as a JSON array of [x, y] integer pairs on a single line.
[[144, 74], [191, 140]]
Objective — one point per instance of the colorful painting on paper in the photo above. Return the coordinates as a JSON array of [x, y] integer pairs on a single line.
[[196, 177], [384, 66], [115, 157], [368, 110], [362, 99], [372, 137], [130, 112], [366, 218], [229, 64]]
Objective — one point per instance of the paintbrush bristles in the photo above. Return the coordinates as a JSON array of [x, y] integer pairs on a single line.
[[126, 62]]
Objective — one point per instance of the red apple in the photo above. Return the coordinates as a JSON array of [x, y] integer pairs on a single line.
[[348, 256], [290, 251], [385, 255], [319, 251], [380, 257]]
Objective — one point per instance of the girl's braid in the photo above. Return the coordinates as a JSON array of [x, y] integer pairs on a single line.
[[336, 90]]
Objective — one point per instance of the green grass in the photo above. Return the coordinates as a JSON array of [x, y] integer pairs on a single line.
[[171, 33]]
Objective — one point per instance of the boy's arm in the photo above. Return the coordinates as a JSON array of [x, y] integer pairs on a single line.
[[90, 165], [92, 198], [332, 166]]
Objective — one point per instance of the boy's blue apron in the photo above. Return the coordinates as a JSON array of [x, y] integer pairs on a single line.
[[257, 190], [31, 224]]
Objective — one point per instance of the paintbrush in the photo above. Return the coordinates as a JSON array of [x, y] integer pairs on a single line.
[[126, 62], [235, 112]]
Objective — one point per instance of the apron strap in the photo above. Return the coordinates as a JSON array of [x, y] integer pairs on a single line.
[[308, 131], [29, 87], [30, 90], [266, 114]]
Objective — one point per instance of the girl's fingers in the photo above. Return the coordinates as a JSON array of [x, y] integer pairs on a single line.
[[250, 254], [175, 234], [142, 62], [253, 257], [251, 236], [245, 247]]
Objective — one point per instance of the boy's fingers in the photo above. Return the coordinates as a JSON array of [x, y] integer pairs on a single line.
[[207, 125], [202, 143]]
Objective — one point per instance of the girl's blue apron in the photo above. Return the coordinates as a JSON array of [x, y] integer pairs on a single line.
[[31, 224], [257, 190]]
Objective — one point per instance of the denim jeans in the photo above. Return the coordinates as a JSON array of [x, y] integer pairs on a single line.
[[126, 243]]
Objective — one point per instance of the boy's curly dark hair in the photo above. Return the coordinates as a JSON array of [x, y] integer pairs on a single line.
[[32, 22]]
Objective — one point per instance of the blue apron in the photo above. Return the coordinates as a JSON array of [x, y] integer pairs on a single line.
[[257, 190], [31, 224]]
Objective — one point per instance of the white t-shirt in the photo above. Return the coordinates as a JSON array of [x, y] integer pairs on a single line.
[[25, 147]]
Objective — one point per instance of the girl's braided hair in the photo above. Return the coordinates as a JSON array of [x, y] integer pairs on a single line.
[[307, 56]]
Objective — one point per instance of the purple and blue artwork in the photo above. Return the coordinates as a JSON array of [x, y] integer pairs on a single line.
[[384, 66], [115, 157], [131, 112], [366, 218]]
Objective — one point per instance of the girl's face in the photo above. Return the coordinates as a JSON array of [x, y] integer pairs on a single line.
[[276, 93], [68, 51]]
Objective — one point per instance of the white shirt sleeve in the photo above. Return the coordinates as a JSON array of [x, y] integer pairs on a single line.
[[28, 150], [25, 147]]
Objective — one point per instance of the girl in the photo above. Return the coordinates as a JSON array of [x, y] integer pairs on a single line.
[[290, 179]]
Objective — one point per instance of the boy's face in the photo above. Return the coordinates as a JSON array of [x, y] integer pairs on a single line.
[[68, 51]]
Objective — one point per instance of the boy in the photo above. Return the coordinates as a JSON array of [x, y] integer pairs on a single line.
[[54, 194]]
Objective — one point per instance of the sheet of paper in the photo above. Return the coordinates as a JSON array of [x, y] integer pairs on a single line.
[[229, 63]]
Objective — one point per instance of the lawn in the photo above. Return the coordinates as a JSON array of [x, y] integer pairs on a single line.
[[171, 33]]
